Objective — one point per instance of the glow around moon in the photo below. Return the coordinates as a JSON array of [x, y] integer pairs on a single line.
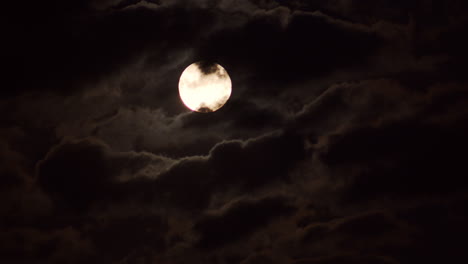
[[204, 87]]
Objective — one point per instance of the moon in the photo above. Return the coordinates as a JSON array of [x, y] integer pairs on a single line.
[[204, 87]]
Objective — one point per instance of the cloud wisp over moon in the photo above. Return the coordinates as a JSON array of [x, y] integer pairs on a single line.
[[204, 87]]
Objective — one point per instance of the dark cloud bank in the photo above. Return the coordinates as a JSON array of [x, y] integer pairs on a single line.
[[343, 142]]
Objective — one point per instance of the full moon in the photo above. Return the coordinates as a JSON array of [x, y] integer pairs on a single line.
[[204, 87]]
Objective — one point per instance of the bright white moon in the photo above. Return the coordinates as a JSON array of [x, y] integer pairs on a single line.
[[204, 87]]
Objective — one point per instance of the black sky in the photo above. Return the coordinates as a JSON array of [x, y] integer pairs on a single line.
[[344, 140]]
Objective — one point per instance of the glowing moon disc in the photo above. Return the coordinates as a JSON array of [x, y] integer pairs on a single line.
[[204, 87]]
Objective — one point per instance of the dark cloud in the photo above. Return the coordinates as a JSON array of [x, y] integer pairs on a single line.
[[73, 169], [260, 259], [82, 172], [188, 183], [117, 238], [390, 170], [342, 141], [207, 67], [347, 259], [241, 117], [230, 166], [70, 49], [367, 225], [440, 229], [308, 46], [239, 220], [11, 172], [36, 246]]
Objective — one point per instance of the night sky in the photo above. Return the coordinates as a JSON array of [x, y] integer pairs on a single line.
[[344, 140]]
